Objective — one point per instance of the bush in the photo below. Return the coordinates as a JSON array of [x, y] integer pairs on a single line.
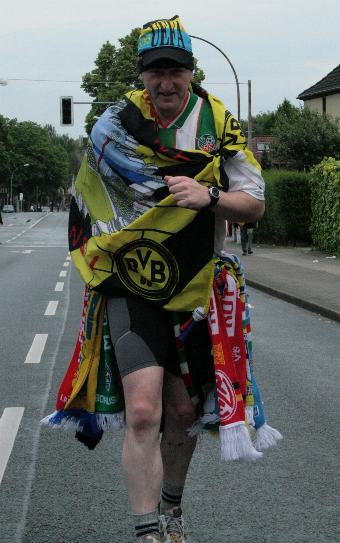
[[325, 203], [288, 211]]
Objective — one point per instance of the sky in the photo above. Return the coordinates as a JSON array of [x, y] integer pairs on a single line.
[[282, 46]]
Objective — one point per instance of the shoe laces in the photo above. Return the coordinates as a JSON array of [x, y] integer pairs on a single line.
[[173, 526]]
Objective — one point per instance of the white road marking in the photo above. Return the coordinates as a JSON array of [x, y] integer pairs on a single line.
[[27, 251], [35, 353], [51, 308], [68, 258], [59, 287], [66, 264], [38, 245], [9, 425], [63, 273], [23, 232]]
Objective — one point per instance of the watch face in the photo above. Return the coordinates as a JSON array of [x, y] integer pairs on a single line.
[[215, 193]]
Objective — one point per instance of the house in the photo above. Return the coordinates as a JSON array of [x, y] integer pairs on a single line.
[[260, 144], [324, 96]]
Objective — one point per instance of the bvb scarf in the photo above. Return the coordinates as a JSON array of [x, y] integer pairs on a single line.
[[125, 230]]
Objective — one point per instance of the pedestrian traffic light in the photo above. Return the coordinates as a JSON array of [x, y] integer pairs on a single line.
[[66, 110]]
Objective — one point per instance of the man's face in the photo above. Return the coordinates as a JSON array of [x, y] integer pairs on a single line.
[[167, 87]]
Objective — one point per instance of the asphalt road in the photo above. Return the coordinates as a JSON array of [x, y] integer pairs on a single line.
[[54, 490]]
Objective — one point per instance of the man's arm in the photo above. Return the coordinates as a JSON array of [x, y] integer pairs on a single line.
[[236, 206]]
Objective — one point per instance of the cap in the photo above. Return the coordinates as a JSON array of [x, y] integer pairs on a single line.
[[164, 39]]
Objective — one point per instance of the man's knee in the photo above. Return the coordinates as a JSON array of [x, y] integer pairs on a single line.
[[143, 415], [183, 414]]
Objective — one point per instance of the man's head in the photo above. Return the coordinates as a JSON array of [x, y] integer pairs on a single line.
[[165, 63]]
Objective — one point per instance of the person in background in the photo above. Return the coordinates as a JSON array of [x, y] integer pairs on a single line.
[[247, 233]]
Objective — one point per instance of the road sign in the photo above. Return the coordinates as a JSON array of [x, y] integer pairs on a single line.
[[21, 196]]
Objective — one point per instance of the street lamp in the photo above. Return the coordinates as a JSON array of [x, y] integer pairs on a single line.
[[234, 72], [13, 172]]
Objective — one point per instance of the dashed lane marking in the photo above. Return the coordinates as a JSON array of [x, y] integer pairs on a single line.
[[35, 353], [9, 425], [63, 273], [51, 308], [66, 264], [59, 287]]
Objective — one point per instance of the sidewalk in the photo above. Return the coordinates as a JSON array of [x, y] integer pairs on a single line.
[[298, 275]]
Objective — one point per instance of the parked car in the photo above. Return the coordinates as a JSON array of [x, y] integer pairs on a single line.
[[8, 208]]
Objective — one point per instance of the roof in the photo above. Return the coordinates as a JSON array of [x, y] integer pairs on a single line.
[[328, 85]]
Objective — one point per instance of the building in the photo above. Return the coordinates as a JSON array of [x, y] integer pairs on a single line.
[[324, 96], [260, 144]]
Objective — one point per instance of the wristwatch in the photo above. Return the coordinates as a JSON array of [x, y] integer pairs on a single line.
[[214, 194]]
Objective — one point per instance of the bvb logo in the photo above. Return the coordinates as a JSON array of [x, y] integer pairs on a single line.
[[147, 268]]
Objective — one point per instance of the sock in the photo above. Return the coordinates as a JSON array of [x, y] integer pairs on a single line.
[[146, 523], [171, 497]]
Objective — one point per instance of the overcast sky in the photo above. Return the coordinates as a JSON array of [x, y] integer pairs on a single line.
[[282, 46]]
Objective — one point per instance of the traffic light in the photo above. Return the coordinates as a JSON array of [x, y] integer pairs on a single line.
[[66, 110]]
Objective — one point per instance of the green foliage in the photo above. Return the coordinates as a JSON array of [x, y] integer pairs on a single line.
[[303, 137], [325, 202], [52, 159], [115, 74], [262, 124], [288, 212]]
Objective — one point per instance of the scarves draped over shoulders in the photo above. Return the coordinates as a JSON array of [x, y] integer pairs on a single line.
[[125, 229]]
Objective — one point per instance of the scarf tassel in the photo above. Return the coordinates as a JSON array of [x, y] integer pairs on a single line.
[[77, 420], [236, 444], [266, 437]]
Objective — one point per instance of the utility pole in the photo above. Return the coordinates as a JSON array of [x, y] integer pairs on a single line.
[[250, 121]]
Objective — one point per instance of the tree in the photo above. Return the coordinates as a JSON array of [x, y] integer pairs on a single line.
[[115, 74], [262, 124], [303, 137]]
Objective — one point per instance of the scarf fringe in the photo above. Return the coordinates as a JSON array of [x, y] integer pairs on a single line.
[[266, 437], [76, 423], [236, 444]]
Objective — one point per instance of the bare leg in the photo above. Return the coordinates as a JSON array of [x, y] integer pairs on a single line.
[[176, 446], [142, 462]]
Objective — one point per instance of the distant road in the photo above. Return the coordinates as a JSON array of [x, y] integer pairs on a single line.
[[53, 490]]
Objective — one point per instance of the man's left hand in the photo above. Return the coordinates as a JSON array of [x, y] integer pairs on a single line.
[[187, 192]]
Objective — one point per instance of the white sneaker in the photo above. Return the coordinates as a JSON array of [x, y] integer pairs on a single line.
[[172, 526], [150, 538]]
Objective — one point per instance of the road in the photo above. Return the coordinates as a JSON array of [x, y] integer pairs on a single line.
[[53, 490]]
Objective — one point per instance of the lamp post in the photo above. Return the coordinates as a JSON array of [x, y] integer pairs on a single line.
[[233, 69], [11, 187]]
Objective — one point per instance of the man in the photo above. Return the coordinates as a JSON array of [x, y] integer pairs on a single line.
[[166, 63], [150, 200], [247, 230]]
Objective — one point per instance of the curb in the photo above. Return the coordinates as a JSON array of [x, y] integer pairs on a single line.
[[310, 306]]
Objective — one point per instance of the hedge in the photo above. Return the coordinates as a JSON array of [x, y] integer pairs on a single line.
[[288, 210], [325, 203]]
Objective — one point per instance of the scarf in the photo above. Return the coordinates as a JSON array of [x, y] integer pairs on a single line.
[[124, 234], [90, 398], [125, 230]]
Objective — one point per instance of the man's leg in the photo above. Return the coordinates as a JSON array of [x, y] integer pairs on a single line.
[[250, 240], [141, 457], [179, 415], [142, 462], [244, 239]]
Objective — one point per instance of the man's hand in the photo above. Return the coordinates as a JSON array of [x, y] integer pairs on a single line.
[[187, 192]]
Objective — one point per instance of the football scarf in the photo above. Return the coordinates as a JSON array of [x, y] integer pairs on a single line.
[[126, 231], [90, 399]]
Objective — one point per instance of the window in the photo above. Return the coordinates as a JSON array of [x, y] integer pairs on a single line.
[[261, 146]]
